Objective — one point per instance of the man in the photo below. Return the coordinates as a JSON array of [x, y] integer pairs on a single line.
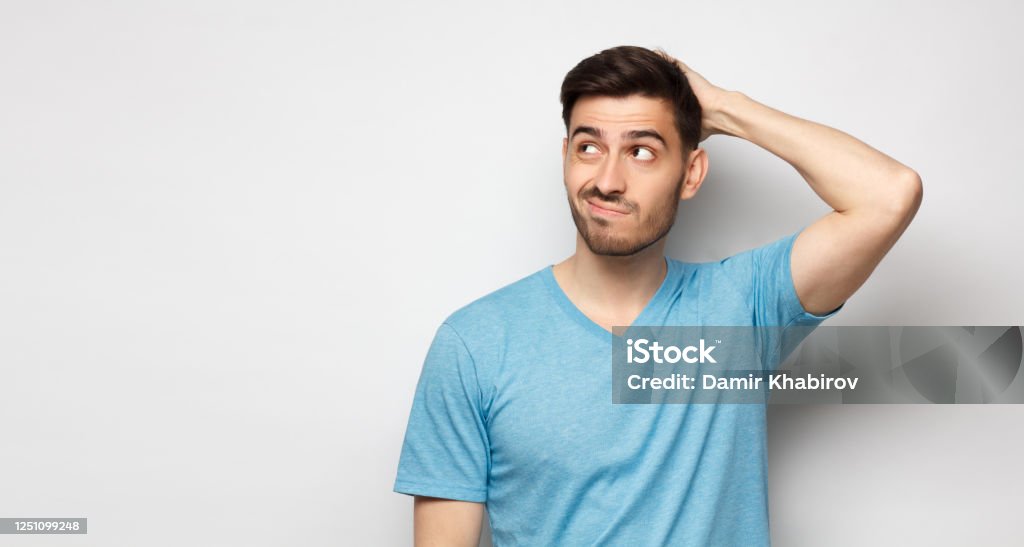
[[512, 408]]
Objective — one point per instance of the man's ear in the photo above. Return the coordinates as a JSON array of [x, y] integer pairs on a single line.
[[696, 171], [565, 146]]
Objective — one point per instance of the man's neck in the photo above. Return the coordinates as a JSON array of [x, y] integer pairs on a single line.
[[612, 290]]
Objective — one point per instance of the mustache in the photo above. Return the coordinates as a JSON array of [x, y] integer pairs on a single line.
[[593, 192]]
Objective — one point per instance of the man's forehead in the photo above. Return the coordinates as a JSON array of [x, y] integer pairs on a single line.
[[614, 116]]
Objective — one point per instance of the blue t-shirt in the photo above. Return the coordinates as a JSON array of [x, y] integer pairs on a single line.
[[513, 408]]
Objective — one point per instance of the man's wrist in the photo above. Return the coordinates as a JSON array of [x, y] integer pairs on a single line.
[[724, 116]]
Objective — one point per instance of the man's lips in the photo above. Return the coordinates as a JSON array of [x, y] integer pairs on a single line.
[[606, 210]]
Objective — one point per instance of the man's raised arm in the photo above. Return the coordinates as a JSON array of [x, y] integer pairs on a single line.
[[874, 197]]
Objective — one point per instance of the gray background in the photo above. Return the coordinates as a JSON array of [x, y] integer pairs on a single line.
[[229, 230]]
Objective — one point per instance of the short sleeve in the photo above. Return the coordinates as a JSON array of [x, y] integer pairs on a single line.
[[446, 453], [776, 304]]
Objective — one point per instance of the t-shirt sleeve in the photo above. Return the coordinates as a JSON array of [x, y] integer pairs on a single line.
[[777, 307], [446, 452]]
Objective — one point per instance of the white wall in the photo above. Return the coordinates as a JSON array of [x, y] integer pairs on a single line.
[[228, 231]]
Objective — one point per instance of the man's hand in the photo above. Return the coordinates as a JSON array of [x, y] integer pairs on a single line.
[[708, 95]]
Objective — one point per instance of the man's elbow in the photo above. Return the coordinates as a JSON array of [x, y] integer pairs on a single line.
[[909, 191], [902, 199]]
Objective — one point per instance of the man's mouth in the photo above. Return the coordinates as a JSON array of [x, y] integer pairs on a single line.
[[606, 210]]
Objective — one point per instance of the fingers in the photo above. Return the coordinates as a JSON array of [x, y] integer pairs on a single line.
[[682, 66], [671, 59]]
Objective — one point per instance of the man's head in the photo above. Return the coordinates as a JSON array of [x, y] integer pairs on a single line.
[[632, 129]]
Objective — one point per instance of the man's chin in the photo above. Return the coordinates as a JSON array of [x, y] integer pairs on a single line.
[[601, 244], [614, 248]]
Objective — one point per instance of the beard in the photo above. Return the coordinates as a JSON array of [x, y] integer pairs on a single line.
[[603, 237]]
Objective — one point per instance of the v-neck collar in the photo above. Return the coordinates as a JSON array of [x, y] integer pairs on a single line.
[[548, 275]]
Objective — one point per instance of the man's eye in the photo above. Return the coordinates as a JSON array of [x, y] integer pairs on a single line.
[[649, 155], [584, 146]]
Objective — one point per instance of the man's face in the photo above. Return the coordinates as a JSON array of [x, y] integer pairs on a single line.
[[624, 172]]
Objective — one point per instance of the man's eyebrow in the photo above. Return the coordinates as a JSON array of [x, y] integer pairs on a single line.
[[628, 135]]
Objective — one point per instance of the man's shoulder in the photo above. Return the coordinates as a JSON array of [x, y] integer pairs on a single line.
[[742, 263], [501, 306], [736, 274]]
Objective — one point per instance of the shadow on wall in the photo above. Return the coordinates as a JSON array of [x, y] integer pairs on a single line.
[[745, 200]]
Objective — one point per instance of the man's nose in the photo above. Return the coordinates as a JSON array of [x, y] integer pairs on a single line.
[[611, 179]]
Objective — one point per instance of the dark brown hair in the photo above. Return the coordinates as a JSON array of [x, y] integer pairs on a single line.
[[627, 70]]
